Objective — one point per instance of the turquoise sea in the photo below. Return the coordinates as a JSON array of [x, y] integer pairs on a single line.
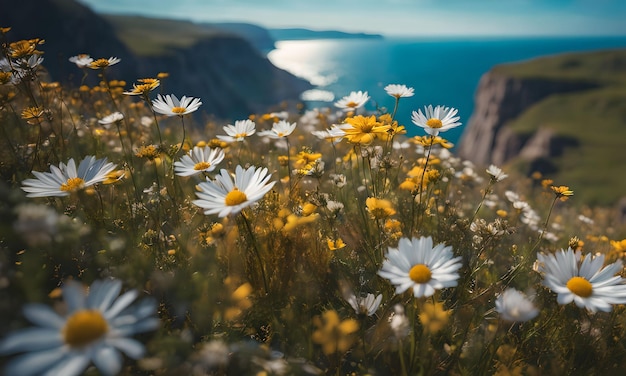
[[442, 71]]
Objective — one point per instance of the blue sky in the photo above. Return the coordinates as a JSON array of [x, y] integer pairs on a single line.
[[397, 17]]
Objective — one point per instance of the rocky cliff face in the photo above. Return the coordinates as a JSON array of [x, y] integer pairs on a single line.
[[500, 99], [232, 77]]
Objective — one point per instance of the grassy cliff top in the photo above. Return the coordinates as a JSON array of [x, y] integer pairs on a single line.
[[594, 119], [153, 37], [605, 67]]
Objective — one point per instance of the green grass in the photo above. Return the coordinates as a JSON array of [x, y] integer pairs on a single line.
[[603, 67], [154, 37]]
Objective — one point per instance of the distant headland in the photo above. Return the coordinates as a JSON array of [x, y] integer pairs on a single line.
[[305, 34]]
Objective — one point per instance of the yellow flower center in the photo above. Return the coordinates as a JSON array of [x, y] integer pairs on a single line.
[[235, 197], [201, 166], [144, 88], [580, 287], [72, 184], [379, 213], [367, 127], [434, 123], [179, 110], [420, 273], [84, 327], [351, 104], [99, 64], [240, 135]]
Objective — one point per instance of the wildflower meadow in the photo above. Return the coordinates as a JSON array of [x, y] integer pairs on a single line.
[[140, 236]]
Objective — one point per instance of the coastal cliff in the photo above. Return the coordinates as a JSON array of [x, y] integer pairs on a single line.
[[229, 73], [499, 99], [563, 116]]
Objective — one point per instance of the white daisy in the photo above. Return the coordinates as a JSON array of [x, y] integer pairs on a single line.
[[279, 130], [435, 120], [24, 65], [95, 329], [365, 305], [81, 60], [417, 265], [111, 119], [239, 131], [399, 91], [225, 197], [354, 100], [198, 160], [399, 322], [62, 180], [334, 134], [512, 196], [496, 173], [512, 305], [170, 105], [583, 279]]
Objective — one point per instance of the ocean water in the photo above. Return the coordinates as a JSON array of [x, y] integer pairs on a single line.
[[442, 71]]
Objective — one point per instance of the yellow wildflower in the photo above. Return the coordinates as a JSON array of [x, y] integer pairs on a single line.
[[433, 317], [619, 245], [502, 213], [305, 159], [114, 176], [334, 245], [25, 48], [562, 192], [379, 208], [5, 77], [217, 143], [50, 86], [150, 152], [239, 298], [104, 63], [546, 183], [31, 113], [145, 86], [294, 221], [363, 130], [333, 335], [575, 243], [283, 160], [431, 141], [393, 228], [308, 209], [415, 178], [394, 128]]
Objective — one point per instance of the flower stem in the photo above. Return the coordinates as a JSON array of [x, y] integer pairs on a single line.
[[545, 226], [256, 250]]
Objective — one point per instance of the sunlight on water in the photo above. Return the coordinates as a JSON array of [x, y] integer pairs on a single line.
[[305, 59]]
